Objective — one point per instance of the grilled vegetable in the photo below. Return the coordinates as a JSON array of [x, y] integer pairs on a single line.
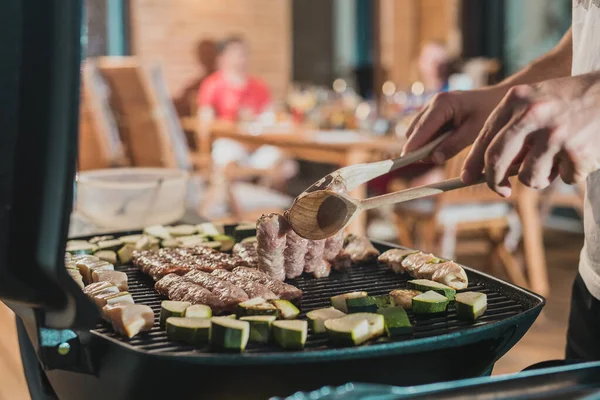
[[244, 231], [250, 239], [257, 306], [145, 243], [117, 278], [361, 304], [383, 300], [396, 321], [169, 308], [260, 327], [194, 331], [317, 318], [290, 335], [198, 311], [97, 239], [429, 303], [229, 334], [125, 253], [232, 316], [425, 285], [211, 245], [80, 247], [170, 243], [286, 309], [403, 297], [131, 239], [107, 255], [208, 229], [339, 301], [182, 230], [191, 241], [111, 244], [158, 231], [227, 242], [470, 305], [355, 329]]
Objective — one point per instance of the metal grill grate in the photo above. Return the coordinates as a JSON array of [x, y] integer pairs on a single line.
[[317, 292]]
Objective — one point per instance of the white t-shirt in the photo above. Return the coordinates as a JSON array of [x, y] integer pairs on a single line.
[[586, 58]]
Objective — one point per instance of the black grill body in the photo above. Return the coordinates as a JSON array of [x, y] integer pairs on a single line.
[[440, 349]]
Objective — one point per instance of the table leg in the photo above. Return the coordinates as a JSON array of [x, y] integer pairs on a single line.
[[359, 225], [533, 240]]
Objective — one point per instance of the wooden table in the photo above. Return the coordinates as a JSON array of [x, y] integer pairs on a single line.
[[306, 145]]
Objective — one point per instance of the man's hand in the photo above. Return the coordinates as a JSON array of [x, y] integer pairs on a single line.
[[464, 112], [548, 128]]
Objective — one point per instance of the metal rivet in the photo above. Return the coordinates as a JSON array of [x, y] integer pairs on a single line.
[[64, 348]]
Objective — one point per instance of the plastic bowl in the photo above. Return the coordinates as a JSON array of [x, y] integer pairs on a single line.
[[132, 198]]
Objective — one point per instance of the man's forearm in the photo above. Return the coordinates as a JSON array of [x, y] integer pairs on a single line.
[[554, 64]]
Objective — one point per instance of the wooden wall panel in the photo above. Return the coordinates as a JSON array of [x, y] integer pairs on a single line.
[[169, 31]]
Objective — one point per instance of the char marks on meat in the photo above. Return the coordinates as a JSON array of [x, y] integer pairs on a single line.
[[252, 289], [314, 255], [247, 252], [359, 249], [281, 289], [176, 288], [230, 294], [271, 233], [295, 251]]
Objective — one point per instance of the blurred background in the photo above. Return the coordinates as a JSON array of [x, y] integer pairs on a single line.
[[254, 100]]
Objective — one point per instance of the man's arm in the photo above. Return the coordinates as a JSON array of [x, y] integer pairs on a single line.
[[466, 112]]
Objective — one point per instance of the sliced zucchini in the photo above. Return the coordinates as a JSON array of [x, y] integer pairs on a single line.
[[208, 229], [244, 231], [112, 244], [198, 311], [194, 331], [260, 327], [383, 300], [169, 308], [470, 305], [97, 239], [181, 230], [355, 329], [144, 243], [257, 306], [211, 245], [425, 285], [251, 239], [131, 239], [232, 316], [361, 304], [192, 241], [68, 257], [318, 317], [125, 253], [227, 242], [157, 231], [171, 243], [403, 297], [229, 334], [429, 303], [286, 309], [80, 247], [290, 335], [396, 321], [339, 301], [107, 255]]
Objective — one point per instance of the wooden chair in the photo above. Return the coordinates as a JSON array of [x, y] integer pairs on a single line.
[[435, 224]]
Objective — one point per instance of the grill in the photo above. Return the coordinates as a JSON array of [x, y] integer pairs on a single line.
[[440, 349]]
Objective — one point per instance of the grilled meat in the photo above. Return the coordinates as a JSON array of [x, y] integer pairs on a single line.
[[314, 255], [451, 274], [230, 294], [295, 251], [271, 233], [322, 270], [414, 262], [393, 259], [248, 252], [333, 246], [117, 278], [252, 289], [129, 319], [358, 249], [283, 290], [176, 288]]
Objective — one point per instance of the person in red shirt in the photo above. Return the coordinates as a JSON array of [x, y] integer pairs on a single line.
[[231, 94]]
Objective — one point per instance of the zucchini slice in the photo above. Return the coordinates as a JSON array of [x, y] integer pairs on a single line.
[[193, 331], [131, 239], [260, 327], [125, 253], [286, 309], [383, 300], [361, 304], [107, 255], [169, 308], [318, 317], [111, 244], [425, 285], [208, 229], [171, 243], [251, 239], [211, 245], [470, 305], [290, 335], [227, 242], [355, 329], [403, 297], [182, 230], [97, 239], [396, 321], [339, 301], [80, 247], [198, 311], [229, 334], [157, 231], [429, 303], [257, 306], [244, 231]]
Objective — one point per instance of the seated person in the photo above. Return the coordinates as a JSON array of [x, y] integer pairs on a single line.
[[231, 94]]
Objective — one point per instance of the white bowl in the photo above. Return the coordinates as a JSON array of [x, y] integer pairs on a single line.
[[132, 198]]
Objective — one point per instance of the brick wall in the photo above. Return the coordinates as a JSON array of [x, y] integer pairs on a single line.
[[168, 31]]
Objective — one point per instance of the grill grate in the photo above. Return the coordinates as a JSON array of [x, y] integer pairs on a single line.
[[374, 279]]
